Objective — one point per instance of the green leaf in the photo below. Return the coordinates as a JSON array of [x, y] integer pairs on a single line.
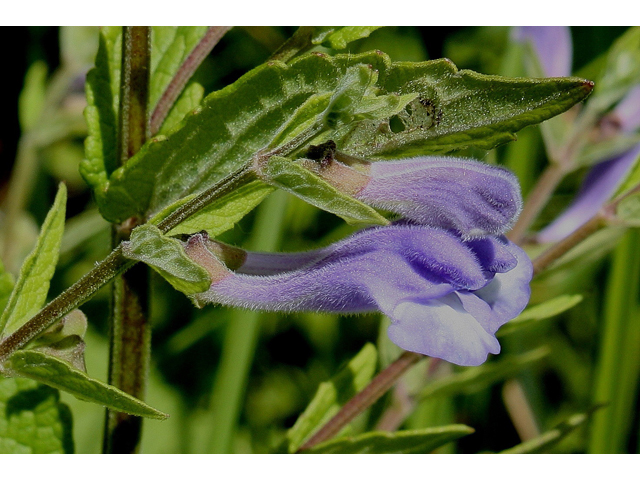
[[32, 419], [61, 375], [615, 376], [355, 99], [459, 109], [170, 46], [103, 96], [263, 109], [333, 394], [548, 309], [339, 37], [222, 214], [32, 97], [302, 183], [475, 378], [232, 126], [408, 441], [30, 291], [167, 257], [548, 439]]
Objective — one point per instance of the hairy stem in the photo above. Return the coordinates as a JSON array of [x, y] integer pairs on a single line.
[[228, 184], [133, 128], [109, 268], [71, 298], [130, 335], [184, 73], [365, 398]]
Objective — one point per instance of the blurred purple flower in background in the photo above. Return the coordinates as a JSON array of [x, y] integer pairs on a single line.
[[446, 289], [553, 47], [604, 178]]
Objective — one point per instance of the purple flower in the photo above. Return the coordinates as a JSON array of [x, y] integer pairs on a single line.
[[553, 48], [471, 198], [598, 186], [604, 178], [552, 45], [446, 296]]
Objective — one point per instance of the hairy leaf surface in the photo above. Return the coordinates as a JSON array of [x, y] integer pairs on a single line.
[[308, 186], [167, 257], [450, 110]]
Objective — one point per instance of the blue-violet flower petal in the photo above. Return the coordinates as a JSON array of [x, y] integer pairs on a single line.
[[553, 46], [469, 197], [446, 296]]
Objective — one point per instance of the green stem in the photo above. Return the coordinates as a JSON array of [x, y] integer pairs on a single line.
[[133, 128], [241, 336], [184, 73], [130, 335], [610, 425], [365, 398], [228, 184], [71, 298]]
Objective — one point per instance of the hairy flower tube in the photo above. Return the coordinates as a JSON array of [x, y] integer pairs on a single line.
[[446, 296], [471, 198]]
